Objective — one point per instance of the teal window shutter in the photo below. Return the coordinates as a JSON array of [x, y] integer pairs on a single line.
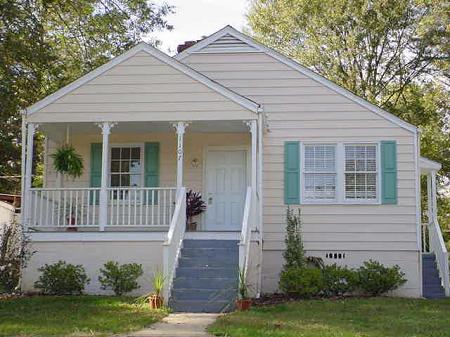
[[151, 168], [96, 171], [291, 173], [388, 172]]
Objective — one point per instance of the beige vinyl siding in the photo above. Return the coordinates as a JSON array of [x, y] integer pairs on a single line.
[[141, 88], [301, 109]]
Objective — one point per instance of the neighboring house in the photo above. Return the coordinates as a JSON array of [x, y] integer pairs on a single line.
[[9, 208], [255, 132]]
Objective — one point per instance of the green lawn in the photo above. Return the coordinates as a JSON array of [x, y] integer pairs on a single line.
[[73, 316], [376, 317]]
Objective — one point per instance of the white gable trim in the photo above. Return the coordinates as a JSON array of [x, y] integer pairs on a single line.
[[297, 66], [241, 100]]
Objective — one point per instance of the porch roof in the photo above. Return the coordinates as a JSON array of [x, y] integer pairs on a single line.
[[142, 84], [427, 165]]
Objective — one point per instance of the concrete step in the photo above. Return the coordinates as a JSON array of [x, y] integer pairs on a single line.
[[204, 272], [183, 294], [231, 253], [202, 306], [205, 283], [210, 244], [218, 261]]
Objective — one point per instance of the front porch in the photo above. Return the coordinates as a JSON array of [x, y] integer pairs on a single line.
[[132, 186]]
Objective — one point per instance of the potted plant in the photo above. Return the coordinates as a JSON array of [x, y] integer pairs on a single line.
[[66, 161], [194, 206], [243, 302], [156, 299]]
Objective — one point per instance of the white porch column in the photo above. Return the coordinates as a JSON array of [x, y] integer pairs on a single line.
[[180, 128], [31, 129], [252, 125], [103, 202], [431, 195]]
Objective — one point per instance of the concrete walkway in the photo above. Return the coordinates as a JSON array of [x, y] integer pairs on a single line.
[[178, 325]]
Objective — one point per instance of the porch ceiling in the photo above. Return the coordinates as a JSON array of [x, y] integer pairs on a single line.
[[58, 130]]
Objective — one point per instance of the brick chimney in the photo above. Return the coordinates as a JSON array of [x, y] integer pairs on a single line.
[[186, 45]]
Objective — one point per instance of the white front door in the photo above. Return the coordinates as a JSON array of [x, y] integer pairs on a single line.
[[226, 175]]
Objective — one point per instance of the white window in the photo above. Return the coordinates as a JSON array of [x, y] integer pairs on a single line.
[[126, 166], [360, 172], [320, 172]]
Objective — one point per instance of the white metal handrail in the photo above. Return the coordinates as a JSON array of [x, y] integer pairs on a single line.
[[63, 207], [140, 206], [437, 246], [174, 240], [245, 238]]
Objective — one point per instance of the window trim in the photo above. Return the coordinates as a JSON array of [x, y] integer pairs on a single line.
[[340, 175], [141, 146]]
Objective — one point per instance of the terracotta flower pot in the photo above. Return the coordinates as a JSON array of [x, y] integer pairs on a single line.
[[192, 227], [243, 304], [155, 301]]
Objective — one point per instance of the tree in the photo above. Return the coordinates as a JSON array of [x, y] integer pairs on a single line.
[[45, 45], [393, 53], [363, 45]]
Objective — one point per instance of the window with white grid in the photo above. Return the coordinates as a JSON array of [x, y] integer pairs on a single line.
[[360, 172], [125, 166], [320, 172]]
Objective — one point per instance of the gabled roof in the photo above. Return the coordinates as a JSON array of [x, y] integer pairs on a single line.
[[233, 96], [230, 33]]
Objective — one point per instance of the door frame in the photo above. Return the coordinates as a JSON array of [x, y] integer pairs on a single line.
[[206, 149]]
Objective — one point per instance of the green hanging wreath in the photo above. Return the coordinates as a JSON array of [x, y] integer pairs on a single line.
[[67, 161]]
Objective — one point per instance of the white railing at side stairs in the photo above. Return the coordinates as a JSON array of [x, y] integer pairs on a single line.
[[437, 246], [174, 240], [245, 238]]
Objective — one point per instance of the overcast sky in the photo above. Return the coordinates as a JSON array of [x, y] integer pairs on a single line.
[[196, 18]]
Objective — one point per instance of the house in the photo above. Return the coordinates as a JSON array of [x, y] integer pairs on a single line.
[[255, 132], [9, 208]]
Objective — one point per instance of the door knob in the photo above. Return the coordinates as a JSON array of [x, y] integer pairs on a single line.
[[210, 200]]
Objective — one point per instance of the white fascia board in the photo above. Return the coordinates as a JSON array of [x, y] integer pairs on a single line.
[[302, 69], [233, 96]]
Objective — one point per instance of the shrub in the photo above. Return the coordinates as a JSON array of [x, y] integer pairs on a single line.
[[120, 278], [62, 278], [294, 255], [338, 280], [14, 253], [376, 279], [301, 282]]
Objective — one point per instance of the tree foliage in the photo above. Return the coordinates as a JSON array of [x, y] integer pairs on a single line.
[[45, 45], [393, 53]]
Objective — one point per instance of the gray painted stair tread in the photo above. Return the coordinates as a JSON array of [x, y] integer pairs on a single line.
[[431, 282], [206, 277]]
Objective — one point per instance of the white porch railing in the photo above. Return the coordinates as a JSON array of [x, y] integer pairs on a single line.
[[174, 241], [437, 246], [63, 207], [79, 207], [245, 238], [140, 206]]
